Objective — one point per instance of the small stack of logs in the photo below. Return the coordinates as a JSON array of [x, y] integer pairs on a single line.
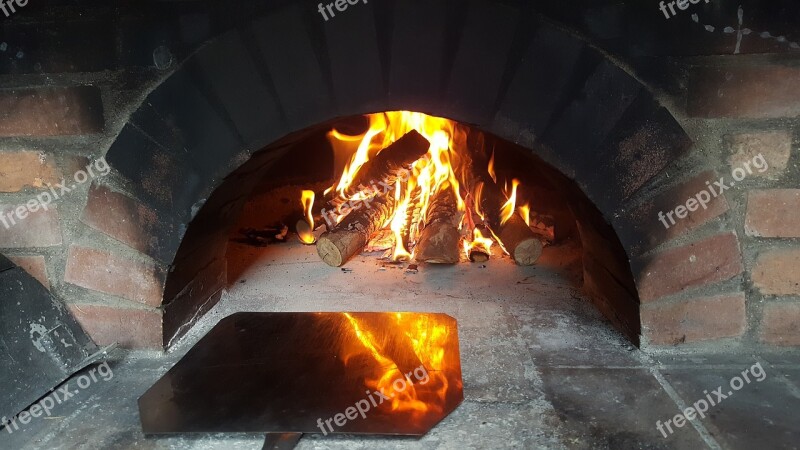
[[439, 238]]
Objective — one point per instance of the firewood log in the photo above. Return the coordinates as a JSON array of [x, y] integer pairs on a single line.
[[342, 242], [479, 254], [515, 235], [386, 164], [394, 158], [411, 218], [439, 240]]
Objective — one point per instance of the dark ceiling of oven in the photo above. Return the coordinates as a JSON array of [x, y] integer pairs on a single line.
[[124, 33]]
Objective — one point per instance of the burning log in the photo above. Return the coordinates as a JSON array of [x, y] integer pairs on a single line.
[[479, 250], [305, 226], [391, 160], [305, 231], [386, 164], [478, 255], [438, 242], [342, 242], [514, 234]]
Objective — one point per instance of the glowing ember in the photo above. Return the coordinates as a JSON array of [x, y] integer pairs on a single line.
[[307, 235]]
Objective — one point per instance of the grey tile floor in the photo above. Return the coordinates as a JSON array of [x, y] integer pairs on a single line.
[[541, 367]]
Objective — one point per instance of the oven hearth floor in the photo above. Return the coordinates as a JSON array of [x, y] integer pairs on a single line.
[[541, 367]]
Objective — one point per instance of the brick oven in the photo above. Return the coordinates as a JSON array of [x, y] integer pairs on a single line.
[[663, 148]]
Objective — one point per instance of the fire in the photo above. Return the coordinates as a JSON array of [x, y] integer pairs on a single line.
[[366, 149], [479, 242], [490, 169], [525, 212], [429, 175], [427, 340], [307, 236], [510, 207], [476, 196], [398, 225]]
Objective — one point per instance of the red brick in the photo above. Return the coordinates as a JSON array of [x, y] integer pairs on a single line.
[[71, 164], [51, 111], [39, 229], [20, 170], [781, 324], [35, 266], [773, 213], [120, 217], [697, 264], [671, 199], [130, 328], [693, 320], [774, 146], [777, 272], [111, 274], [759, 92]]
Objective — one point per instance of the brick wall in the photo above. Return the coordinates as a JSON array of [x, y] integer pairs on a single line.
[[70, 78], [55, 133], [64, 95], [739, 272]]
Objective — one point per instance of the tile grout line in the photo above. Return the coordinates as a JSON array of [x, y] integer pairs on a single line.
[[531, 371], [782, 378], [666, 366], [591, 367], [698, 426]]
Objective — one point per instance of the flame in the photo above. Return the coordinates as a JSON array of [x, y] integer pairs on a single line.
[[429, 175], [509, 208], [398, 225], [362, 154], [479, 242], [307, 199], [476, 196], [428, 339], [432, 173], [490, 169], [525, 212]]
